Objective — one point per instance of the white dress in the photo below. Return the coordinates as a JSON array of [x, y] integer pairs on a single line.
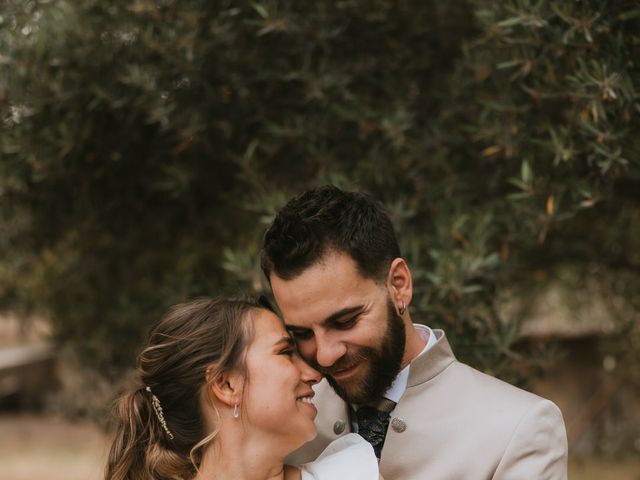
[[350, 457]]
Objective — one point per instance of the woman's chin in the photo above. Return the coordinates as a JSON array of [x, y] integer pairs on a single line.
[[300, 439], [309, 435], [313, 434]]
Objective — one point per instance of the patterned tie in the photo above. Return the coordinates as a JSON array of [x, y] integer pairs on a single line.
[[373, 421]]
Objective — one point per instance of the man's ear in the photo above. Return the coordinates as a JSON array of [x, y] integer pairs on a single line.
[[226, 386], [400, 283]]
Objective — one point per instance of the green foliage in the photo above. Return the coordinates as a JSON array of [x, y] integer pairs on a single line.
[[146, 144]]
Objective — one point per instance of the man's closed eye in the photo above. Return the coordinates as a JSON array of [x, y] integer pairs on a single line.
[[345, 324]]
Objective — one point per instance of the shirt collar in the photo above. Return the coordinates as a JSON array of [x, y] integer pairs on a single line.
[[399, 385]]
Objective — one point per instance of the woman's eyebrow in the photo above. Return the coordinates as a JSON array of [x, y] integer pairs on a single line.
[[288, 341]]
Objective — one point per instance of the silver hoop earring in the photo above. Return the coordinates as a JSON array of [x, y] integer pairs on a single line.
[[402, 309], [236, 414]]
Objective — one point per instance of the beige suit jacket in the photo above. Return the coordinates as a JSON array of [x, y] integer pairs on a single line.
[[460, 424]]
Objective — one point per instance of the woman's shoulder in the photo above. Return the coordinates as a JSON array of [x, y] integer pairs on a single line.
[[348, 457]]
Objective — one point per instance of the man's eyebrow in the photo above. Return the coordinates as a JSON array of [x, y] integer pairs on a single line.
[[341, 313], [330, 319]]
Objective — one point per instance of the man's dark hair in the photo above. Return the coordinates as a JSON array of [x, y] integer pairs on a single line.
[[327, 219]]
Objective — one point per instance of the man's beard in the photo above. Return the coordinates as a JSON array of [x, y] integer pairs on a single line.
[[383, 364]]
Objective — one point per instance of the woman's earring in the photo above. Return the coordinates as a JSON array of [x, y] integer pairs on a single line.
[[235, 410], [402, 309]]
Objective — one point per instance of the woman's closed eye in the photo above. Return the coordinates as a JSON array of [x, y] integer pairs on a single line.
[[288, 351]]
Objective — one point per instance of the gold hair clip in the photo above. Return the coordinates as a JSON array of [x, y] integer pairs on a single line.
[[155, 401]]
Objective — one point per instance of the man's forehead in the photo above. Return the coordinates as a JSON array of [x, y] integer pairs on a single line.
[[330, 270], [320, 291], [307, 307]]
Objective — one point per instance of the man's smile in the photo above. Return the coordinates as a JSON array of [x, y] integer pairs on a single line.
[[343, 373]]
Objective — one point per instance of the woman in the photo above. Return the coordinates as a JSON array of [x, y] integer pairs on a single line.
[[223, 394]]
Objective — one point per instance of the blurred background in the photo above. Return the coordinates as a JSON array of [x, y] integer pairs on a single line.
[[146, 144]]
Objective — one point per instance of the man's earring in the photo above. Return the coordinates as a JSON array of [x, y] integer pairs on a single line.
[[402, 309], [235, 410]]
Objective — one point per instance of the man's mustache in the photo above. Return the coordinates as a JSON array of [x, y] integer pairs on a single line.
[[348, 360]]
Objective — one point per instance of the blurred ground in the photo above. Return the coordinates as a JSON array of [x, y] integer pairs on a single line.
[[38, 447], [35, 446]]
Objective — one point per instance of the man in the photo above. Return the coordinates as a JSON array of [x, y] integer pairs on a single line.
[[336, 272]]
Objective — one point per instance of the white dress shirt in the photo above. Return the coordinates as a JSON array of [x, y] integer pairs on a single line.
[[399, 385]]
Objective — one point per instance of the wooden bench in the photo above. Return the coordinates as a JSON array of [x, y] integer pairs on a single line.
[[26, 372]]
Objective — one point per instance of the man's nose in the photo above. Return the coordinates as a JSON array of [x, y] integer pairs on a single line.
[[308, 374], [328, 351]]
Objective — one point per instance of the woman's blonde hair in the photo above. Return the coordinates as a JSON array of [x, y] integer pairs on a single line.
[[164, 441]]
